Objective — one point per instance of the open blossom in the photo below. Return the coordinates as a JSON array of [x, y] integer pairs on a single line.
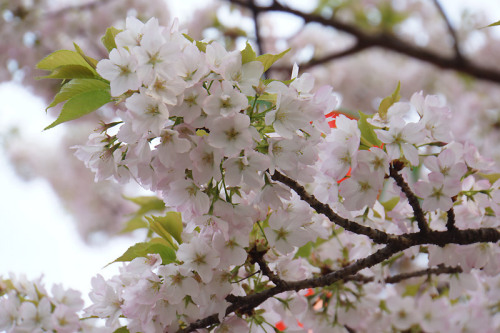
[[106, 301], [362, 188], [35, 318], [401, 139], [437, 192], [288, 117], [224, 100], [199, 257], [231, 133], [120, 70], [447, 164], [435, 115], [246, 169], [285, 231]]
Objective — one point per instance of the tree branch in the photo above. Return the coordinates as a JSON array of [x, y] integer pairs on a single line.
[[86, 6], [398, 243], [405, 276], [412, 199], [377, 236], [258, 257], [357, 47], [456, 45], [450, 223], [387, 41]]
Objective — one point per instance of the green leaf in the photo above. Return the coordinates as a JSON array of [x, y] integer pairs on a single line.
[[387, 102], [202, 46], [491, 25], [143, 249], [411, 290], [269, 59], [108, 40], [368, 137], [62, 58], [390, 204], [75, 87], [170, 223], [147, 204], [491, 177], [71, 72], [248, 54], [305, 250], [122, 329], [133, 224], [90, 61], [82, 104]]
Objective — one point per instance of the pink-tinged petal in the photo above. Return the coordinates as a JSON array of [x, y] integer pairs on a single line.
[[411, 153]]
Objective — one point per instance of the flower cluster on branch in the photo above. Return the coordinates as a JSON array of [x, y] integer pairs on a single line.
[[282, 212]]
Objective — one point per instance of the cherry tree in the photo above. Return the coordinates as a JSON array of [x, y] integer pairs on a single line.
[[275, 208]]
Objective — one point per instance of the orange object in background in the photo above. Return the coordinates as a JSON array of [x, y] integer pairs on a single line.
[[335, 114]]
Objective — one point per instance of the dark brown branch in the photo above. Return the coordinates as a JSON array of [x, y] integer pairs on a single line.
[[247, 303], [377, 236], [258, 257], [450, 223], [86, 6], [405, 276], [255, 16], [412, 199], [314, 62], [388, 42], [456, 45], [430, 271], [397, 244], [457, 236]]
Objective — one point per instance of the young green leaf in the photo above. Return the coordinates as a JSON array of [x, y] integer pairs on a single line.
[[368, 136], [390, 204], [387, 102], [147, 204], [62, 58], [71, 72], [269, 59], [82, 104], [143, 249], [491, 25], [171, 223], [134, 223], [248, 54], [91, 61], [108, 40], [304, 251], [75, 87], [202, 46]]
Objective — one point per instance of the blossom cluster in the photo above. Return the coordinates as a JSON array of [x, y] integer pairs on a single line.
[[202, 129], [26, 306], [200, 126]]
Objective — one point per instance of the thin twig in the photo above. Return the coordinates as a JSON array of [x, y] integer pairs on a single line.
[[405, 276]]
